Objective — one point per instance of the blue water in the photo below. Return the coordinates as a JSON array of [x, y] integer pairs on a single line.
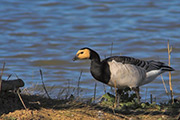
[[47, 34]]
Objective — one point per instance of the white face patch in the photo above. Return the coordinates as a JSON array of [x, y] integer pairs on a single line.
[[83, 54], [123, 75]]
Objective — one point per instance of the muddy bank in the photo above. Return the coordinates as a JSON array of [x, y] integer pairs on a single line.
[[39, 107]]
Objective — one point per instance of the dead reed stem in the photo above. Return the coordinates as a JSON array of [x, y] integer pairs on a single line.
[[146, 94], [116, 94], [2, 74], [79, 80], [151, 98], [169, 63], [68, 89], [9, 76], [16, 76], [104, 88], [44, 84], [21, 99], [164, 86], [95, 85]]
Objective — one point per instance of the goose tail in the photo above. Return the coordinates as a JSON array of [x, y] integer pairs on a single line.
[[167, 68], [160, 65]]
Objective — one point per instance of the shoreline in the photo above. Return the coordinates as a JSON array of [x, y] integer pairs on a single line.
[[39, 107]]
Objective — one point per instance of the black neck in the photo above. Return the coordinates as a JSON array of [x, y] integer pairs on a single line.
[[96, 70], [94, 56], [99, 70]]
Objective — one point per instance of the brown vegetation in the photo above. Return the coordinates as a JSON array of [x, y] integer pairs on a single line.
[[39, 108]]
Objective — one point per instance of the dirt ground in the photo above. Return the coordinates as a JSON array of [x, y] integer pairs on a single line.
[[40, 108]]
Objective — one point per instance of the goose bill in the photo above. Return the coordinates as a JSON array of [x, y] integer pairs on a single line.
[[75, 58]]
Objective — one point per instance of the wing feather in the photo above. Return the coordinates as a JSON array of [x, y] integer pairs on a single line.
[[147, 65]]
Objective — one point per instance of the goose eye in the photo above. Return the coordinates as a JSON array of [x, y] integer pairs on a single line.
[[81, 52]]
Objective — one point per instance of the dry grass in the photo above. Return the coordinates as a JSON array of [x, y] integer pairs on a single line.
[[2, 74], [40, 108]]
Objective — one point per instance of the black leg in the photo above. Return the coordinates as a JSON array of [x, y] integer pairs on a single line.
[[137, 93], [119, 93]]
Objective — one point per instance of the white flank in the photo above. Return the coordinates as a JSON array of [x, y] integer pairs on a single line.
[[151, 75], [123, 75]]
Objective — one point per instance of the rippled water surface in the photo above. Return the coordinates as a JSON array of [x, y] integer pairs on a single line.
[[46, 34]]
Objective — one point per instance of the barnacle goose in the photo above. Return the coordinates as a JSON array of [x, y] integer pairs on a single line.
[[122, 71]]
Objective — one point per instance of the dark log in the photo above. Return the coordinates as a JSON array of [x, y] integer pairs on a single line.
[[7, 85]]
